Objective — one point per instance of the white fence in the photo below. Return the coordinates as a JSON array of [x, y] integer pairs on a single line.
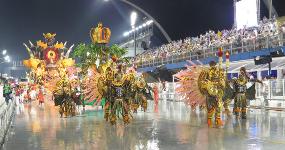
[[7, 113], [270, 95]]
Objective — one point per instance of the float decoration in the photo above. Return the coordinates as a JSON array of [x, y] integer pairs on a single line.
[[52, 69], [109, 83], [100, 34]]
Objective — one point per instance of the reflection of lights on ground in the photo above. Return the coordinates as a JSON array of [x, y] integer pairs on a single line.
[[153, 144], [33, 111], [36, 126], [149, 130]]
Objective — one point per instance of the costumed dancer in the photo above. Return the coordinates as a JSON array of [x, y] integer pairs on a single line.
[[228, 93], [213, 81], [202, 86], [17, 94], [41, 96], [156, 97], [27, 97], [118, 103], [155, 94], [140, 94], [240, 90]]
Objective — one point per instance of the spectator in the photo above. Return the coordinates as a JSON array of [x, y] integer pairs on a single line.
[[7, 91], [253, 36]]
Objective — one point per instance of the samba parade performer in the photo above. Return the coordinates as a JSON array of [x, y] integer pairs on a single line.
[[242, 92], [228, 93], [213, 82], [41, 96], [155, 97], [203, 86], [140, 96]]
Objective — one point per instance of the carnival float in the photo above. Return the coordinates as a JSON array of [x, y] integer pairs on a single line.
[[108, 78], [53, 70]]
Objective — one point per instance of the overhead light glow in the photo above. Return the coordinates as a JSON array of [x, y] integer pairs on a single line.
[[4, 52], [149, 22]]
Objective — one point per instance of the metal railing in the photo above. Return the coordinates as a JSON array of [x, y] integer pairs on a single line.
[[234, 48], [7, 113], [269, 95]]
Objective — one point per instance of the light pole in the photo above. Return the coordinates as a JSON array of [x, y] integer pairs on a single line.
[[270, 9], [167, 37], [133, 24]]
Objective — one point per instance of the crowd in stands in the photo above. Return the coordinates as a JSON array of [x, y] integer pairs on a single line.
[[268, 29]]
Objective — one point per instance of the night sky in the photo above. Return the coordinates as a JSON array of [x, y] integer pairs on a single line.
[[23, 20]]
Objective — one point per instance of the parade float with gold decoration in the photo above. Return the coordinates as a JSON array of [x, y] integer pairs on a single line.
[[52, 68], [108, 78]]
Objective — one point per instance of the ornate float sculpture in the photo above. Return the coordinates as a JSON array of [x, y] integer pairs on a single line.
[[47, 55], [52, 68], [100, 34]]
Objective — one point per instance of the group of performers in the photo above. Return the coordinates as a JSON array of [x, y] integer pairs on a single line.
[[209, 87], [120, 89], [113, 83], [123, 89]]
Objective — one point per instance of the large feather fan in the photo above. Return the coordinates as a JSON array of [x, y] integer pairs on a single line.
[[92, 86], [188, 85]]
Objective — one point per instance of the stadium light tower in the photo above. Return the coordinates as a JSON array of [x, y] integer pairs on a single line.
[[167, 37]]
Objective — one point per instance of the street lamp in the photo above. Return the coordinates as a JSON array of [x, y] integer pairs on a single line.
[[148, 15], [134, 17]]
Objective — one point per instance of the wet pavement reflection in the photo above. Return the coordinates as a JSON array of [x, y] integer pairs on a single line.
[[168, 126]]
